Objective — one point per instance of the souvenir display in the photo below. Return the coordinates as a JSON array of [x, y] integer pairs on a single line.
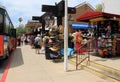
[[108, 42], [114, 47], [118, 46]]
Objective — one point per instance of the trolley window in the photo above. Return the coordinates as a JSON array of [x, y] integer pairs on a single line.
[[1, 23], [7, 24]]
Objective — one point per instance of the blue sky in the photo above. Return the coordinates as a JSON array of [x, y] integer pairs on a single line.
[[28, 8]]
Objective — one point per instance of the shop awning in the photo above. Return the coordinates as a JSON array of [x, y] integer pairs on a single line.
[[81, 26], [92, 14]]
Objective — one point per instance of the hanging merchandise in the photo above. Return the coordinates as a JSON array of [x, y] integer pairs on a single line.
[[108, 44]]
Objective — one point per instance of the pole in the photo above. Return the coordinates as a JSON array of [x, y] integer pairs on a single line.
[[66, 37]]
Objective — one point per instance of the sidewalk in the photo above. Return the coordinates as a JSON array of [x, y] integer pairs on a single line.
[[110, 62], [27, 66]]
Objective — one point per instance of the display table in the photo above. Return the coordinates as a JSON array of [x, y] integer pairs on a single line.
[[47, 49]]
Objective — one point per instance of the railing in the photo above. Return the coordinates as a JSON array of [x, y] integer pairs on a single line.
[[83, 55]]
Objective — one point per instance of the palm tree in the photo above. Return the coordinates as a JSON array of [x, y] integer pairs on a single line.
[[20, 20]]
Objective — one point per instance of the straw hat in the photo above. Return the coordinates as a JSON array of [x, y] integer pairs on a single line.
[[38, 35]]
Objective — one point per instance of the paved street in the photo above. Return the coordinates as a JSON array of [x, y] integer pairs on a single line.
[[27, 66], [3, 64]]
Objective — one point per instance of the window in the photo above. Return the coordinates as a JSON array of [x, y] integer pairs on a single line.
[[1, 23], [1, 18], [7, 25]]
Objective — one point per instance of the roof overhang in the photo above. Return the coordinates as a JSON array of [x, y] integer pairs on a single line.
[[95, 15]]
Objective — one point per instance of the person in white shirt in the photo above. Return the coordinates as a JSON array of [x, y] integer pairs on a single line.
[[38, 44]]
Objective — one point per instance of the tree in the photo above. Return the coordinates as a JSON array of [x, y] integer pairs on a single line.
[[99, 7], [20, 30], [20, 19]]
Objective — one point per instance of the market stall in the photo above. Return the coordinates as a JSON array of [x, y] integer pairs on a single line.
[[106, 32], [54, 43]]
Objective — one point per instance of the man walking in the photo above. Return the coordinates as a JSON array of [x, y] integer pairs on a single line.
[[38, 44]]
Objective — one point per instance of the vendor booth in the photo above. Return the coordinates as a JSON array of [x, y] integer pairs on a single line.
[[107, 33], [53, 43]]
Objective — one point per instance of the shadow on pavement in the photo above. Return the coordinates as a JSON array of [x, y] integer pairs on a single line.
[[17, 58], [98, 58], [3, 64], [115, 58]]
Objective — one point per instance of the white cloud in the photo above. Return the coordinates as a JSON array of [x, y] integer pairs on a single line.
[[28, 8]]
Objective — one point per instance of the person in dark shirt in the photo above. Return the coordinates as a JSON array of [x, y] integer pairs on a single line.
[[70, 41]]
